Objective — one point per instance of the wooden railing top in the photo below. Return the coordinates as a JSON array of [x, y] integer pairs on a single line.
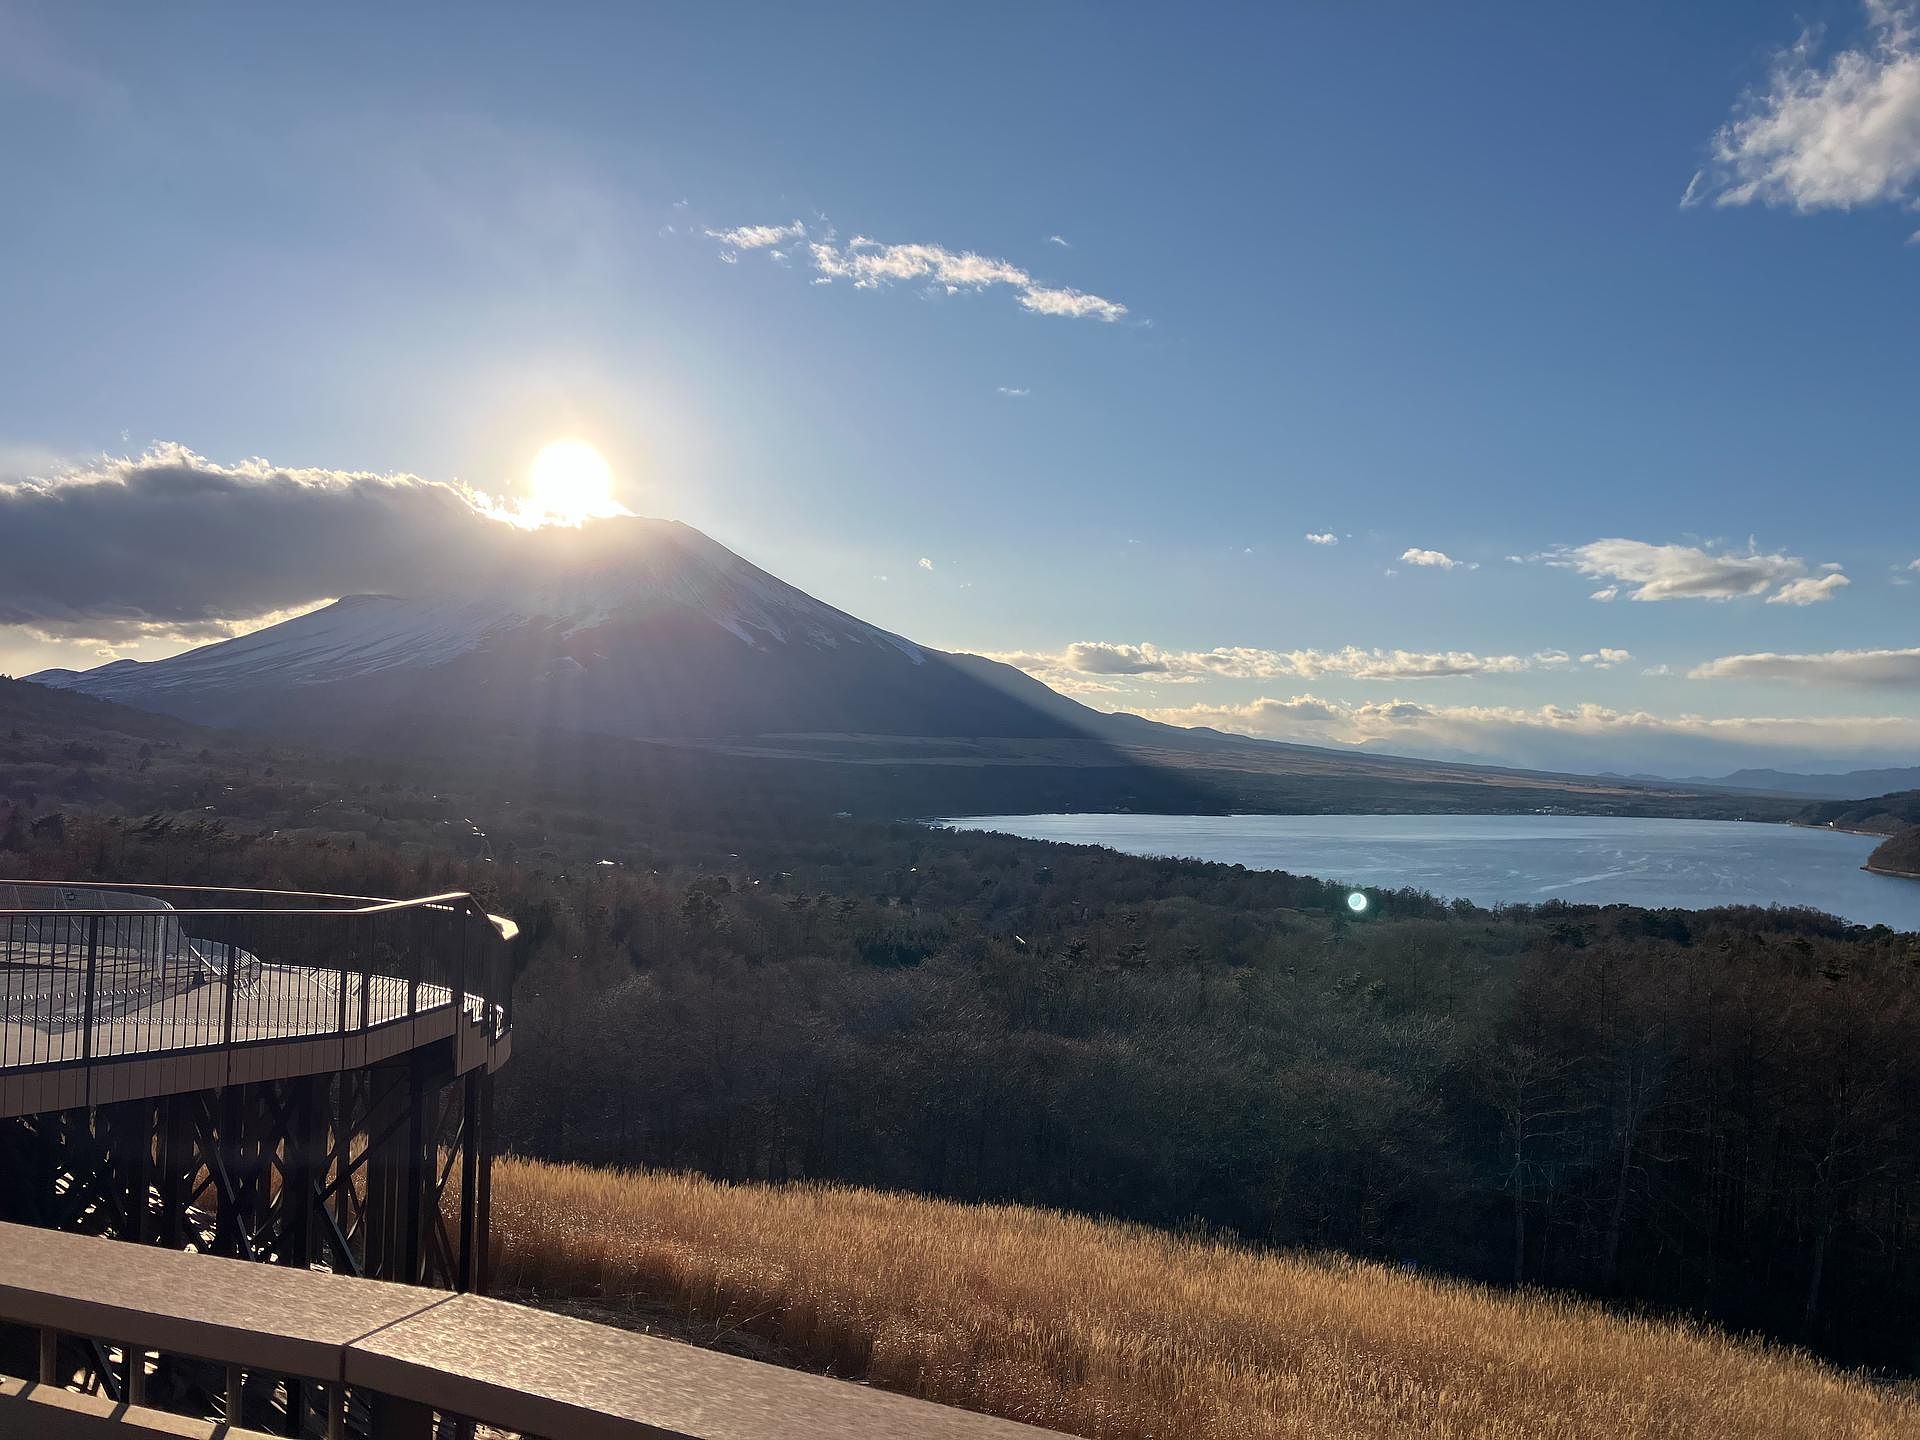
[[502, 1364]]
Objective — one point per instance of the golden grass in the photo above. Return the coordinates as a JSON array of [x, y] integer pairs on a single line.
[[1124, 1333]]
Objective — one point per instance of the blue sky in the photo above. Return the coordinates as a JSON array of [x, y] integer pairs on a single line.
[[1419, 280]]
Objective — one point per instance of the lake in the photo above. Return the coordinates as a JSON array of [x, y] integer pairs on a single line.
[[1524, 859]]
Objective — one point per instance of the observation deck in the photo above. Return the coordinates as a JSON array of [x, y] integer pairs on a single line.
[[111, 993]]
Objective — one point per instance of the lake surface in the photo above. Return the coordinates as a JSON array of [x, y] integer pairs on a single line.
[[1524, 859]]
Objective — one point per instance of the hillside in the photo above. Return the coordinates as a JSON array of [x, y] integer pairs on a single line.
[[1122, 1333], [1900, 855], [1880, 815]]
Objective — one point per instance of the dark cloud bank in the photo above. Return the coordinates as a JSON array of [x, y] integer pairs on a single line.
[[171, 544]]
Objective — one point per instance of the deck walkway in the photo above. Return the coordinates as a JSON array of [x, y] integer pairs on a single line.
[[108, 994]]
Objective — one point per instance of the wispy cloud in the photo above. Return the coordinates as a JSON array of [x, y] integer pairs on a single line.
[[925, 563], [759, 237], [1014, 392], [1826, 133], [1322, 537], [870, 265], [1061, 241], [1436, 560], [1644, 571], [1864, 669]]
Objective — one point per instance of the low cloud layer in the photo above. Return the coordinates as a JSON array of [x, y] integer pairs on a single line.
[[1827, 132], [1580, 737], [1642, 571], [171, 546], [1107, 660], [870, 265], [1861, 669]]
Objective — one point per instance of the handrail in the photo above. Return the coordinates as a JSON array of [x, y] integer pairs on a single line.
[[523, 1370], [445, 900], [141, 888]]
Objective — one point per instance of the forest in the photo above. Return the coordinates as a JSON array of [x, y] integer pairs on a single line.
[[1711, 1113]]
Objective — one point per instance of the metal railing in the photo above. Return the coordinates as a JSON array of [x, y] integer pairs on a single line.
[[94, 972]]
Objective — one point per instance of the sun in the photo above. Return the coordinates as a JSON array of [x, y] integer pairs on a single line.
[[570, 483]]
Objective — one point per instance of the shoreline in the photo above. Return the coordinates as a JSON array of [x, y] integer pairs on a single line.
[[1873, 869], [1845, 830]]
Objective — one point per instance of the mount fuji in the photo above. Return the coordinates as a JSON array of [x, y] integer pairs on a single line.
[[630, 627]]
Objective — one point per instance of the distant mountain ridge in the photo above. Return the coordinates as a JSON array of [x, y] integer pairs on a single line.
[[1850, 785]]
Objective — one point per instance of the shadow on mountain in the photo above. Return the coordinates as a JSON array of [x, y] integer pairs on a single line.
[[687, 722]]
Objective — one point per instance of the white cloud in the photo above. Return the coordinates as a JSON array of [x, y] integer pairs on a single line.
[[759, 237], [1322, 537], [1864, 669], [1436, 560], [1070, 303], [1808, 591], [1096, 657], [1015, 392], [1061, 241], [1606, 659], [1915, 565], [1678, 572], [871, 265], [1606, 594], [1830, 134], [925, 563]]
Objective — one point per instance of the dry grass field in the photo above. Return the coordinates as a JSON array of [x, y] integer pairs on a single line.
[[1123, 1333]]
